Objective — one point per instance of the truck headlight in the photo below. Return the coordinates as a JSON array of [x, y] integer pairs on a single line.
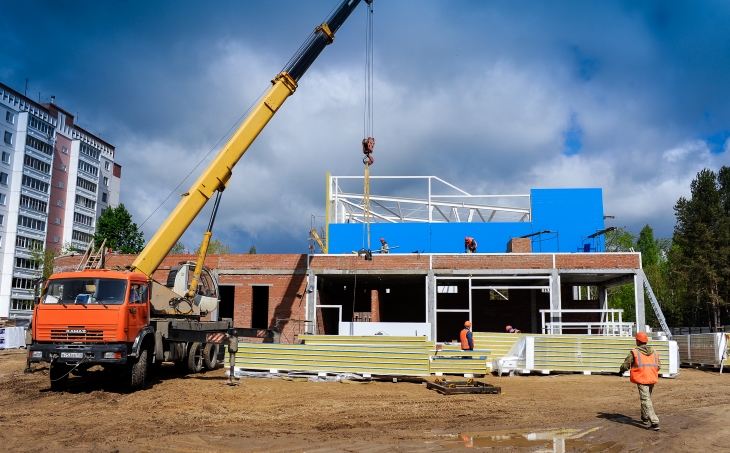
[[37, 354], [112, 355]]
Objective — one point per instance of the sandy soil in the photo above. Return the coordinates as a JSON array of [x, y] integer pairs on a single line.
[[200, 413]]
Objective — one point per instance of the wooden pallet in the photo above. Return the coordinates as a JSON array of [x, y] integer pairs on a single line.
[[463, 387]]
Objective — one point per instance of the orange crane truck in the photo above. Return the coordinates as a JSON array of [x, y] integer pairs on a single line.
[[128, 322]]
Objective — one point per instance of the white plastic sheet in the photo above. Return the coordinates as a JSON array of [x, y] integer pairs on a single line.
[[12, 337]]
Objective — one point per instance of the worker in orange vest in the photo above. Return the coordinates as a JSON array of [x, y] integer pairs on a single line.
[[467, 343], [644, 364], [470, 245]]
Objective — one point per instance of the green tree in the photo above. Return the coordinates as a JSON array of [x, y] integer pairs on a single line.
[[216, 247], [45, 259], [252, 250], [121, 234], [648, 247], [701, 237], [178, 248]]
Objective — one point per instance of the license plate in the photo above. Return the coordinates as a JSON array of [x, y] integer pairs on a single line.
[[72, 355]]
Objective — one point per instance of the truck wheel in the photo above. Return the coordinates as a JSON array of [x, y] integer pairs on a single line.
[[195, 358], [210, 355], [59, 376], [138, 371]]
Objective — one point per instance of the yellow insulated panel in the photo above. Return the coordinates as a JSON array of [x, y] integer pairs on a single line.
[[373, 359]]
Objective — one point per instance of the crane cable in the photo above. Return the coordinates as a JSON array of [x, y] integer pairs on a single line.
[[368, 142]]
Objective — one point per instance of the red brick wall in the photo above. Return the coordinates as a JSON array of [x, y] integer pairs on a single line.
[[519, 245]]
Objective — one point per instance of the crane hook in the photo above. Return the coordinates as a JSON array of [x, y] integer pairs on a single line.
[[368, 144]]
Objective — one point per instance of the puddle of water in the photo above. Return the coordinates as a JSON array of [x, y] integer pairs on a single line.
[[555, 441]]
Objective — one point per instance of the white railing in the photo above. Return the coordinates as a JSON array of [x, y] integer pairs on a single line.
[[607, 326]]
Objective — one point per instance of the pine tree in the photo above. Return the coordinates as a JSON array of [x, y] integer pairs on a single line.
[[648, 247], [700, 237]]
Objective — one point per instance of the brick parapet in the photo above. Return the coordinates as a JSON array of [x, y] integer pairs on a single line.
[[297, 264]]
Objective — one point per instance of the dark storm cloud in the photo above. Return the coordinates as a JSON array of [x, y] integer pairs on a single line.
[[496, 97]]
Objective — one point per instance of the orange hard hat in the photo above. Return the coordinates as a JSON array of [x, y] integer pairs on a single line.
[[641, 336], [467, 324], [508, 328]]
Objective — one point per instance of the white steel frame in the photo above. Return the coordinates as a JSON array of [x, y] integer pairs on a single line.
[[462, 207], [494, 287]]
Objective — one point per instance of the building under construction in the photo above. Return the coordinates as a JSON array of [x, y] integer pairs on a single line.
[[540, 266]]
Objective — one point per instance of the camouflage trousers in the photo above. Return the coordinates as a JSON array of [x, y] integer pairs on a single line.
[[647, 409]]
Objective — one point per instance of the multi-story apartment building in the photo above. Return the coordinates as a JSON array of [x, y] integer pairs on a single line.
[[55, 180]]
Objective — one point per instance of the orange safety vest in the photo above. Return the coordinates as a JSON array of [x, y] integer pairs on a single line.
[[464, 340], [645, 368]]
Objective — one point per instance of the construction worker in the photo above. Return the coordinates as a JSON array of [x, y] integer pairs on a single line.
[[470, 245], [644, 364], [467, 343], [383, 246], [511, 329]]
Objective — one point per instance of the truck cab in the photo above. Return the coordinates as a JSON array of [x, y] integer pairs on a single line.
[[92, 316]]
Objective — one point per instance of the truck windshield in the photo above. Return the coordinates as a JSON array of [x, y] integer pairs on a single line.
[[105, 291]]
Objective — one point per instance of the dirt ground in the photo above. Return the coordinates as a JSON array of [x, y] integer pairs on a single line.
[[200, 413]]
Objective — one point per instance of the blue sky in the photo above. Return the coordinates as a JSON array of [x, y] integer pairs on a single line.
[[495, 97]]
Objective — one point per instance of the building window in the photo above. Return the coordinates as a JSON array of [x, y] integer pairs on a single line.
[[42, 126], [61, 185], [8, 138], [6, 157], [32, 223], [106, 181], [10, 117], [106, 165], [88, 168], [2, 219], [58, 221], [28, 243], [3, 178], [32, 203], [103, 197], [34, 184], [85, 202], [38, 145], [64, 150], [62, 167], [85, 184], [2, 199], [59, 202], [25, 263], [56, 239], [36, 164]]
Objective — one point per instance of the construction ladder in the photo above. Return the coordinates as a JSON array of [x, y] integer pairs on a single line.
[[92, 260], [657, 308]]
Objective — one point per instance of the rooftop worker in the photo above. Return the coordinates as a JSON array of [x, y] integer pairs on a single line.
[[644, 365], [511, 329], [383, 246], [467, 343], [470, 245]]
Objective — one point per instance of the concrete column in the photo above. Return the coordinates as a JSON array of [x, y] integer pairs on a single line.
[[311, 302], [374, 305], [639, 298], [555, 303], [431, 302]]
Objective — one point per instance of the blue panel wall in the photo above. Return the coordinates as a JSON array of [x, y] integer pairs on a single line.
[[570, 214], [573, 213]]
